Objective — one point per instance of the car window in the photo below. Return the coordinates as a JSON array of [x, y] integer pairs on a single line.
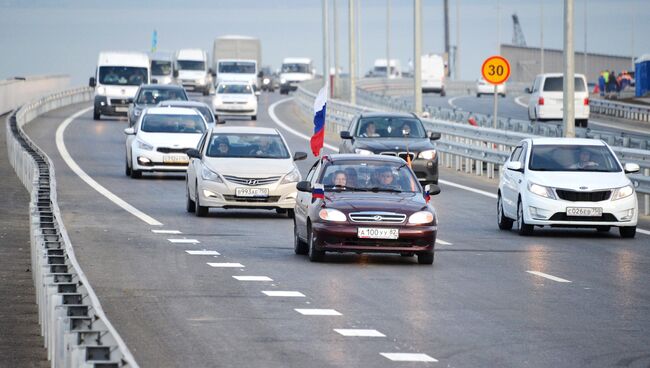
[[199, 147], [190, 65], [152, 96], [572, 158], [235, 88], [312, 172], [556, 84], [123, 75], [536, 84], [158, 123], [247, 145], [360, 175], [161, 67], [515, 154], [389, 127], [237, 67], [522, 156]]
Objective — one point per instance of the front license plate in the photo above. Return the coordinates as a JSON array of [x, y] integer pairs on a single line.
[[584, 211], [175, 159], [377, 233], [121, 109], [251, 192]]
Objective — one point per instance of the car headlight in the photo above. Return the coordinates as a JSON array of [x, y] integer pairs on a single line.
[[283, 81], [362, 151], [428, 154], [144, 145], [421, 217], [266, 81], [292, 177], [101, 90], [210, 175], [217, 101], [541, 190], [330, 214], [624, 192]]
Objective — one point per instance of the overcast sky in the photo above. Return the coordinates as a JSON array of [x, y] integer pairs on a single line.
[[65, 36]]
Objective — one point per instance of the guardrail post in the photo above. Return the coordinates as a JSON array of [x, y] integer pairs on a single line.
[[646, 197]]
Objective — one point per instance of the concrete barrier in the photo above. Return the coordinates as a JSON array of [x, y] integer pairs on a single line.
[[19, 90]]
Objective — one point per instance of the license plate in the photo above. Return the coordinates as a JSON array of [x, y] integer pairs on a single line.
[[584, 211], [121, 109], [175, 159], [377, 233], [251, 192]]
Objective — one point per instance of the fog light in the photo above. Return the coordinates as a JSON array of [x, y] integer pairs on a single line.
[[144, 161], [291, 195], [209, 194], [429, 164], [537, 213], [102, 103], [628, 215]]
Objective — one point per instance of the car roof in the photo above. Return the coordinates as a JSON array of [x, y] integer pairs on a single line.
[[182, 103], [245, 129], [161, 86], [234, 82], [357, 157], [386, 115], [296, 60], [546, 75], [568, 141], [171, 111]]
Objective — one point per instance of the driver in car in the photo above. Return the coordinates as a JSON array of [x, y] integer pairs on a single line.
[[584, 160], [386, 179]]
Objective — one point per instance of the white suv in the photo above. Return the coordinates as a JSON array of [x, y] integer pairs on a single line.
[[566, 182], [547, 95]]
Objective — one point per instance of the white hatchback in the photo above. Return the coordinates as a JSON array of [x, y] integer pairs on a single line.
[[234, 99], [485, 88], [566, 182], [159, 139], [547, 98]]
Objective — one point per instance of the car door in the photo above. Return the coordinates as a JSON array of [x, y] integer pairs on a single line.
[[509, 186], [516, 182], [194, 167], [303, 200]]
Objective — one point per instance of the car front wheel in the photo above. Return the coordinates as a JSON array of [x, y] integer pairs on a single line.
[[627, 232], [425, 258], [299, 246], [190, 205], [200, 211], [315, 255], [503, 222], [522, 227]]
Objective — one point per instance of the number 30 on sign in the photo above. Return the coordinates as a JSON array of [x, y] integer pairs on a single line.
[[495, 70]]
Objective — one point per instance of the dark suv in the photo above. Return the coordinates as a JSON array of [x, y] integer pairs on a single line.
[[394, 134]]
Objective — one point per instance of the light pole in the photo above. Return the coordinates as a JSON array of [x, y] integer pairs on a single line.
[[336, 49], [541, 34], [352, 53], [584, 56], [417, 52], [387, 39], [568, 113], [325, 46], [457, 53]]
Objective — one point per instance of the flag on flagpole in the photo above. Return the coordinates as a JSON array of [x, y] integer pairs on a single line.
[[318, 191], [320, 106], [154, 41]]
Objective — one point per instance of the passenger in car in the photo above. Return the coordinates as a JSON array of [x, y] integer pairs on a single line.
[[370, 130], [340, 179]]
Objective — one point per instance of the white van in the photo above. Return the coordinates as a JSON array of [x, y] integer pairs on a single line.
[[191, 70], [295, 70], [116, 80], [547, 94], [433, 74], [379, 69], [162, 67]]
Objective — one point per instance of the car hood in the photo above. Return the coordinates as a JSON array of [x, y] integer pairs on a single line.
[[249, 167], [367, 201], [118, 91], [233, 97], [172, 140], [191, 74], [580, 181], [299, 77], [236, 77], [393, 144]]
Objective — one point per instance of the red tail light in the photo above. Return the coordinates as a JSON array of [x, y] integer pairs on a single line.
[[586, 101], [540, 101]]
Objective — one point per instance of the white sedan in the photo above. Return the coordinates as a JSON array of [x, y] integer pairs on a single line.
[[566, 182], [160, 138], [234, 99], [485, 88], [242, 167]]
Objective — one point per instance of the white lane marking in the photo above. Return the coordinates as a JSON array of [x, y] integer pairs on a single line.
[[202, 252], [451, 102], [317, 312], [464, 187], [442, 242], [174, 232], [547, 276], [359, 333], [646, 232], [408, 357], [252, 278], [184, 241], [226, 265], [63, 151], [518, 101], [288, 294]]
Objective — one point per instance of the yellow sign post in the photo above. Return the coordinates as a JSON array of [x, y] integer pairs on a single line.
[[495, 70]]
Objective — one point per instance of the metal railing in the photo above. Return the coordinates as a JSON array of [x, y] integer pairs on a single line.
[[620, 110], [76, 331]]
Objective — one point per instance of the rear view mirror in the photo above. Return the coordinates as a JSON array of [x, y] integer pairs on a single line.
[[432, 189], [193, 153], [345, 134], [434, 136], [129, 131], [175, 74], [303, 186], [299, 156], [528, 90], [92, 82], [631, 168], [154, 81], [514, 166]]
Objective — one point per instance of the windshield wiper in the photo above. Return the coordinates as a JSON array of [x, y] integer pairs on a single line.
[[389, 190]]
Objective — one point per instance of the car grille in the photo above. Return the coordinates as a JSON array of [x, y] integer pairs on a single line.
[[573, 196], [121, 101], [235, 102], [233, 198], [562, 216], [251, 181], [402, 155], [172, 150], [378, 217]]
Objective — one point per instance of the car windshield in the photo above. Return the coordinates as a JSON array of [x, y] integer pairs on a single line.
[[572, 158], [161, 67], [235, 88], [369, 176], [295, 68], [243, 67], [158, 123], [242, 145], [151, 96], [190, 65], [555, 84], [390, 127], [123, 75], [205, 111]]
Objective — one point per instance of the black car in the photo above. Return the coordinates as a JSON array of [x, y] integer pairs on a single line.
[[269, 80], [150, 95], [394, 134]]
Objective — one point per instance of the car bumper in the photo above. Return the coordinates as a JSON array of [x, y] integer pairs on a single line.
[[289, 86], [152, 161], [343, 238], [105, 107], [549, 212], [235, 111], [426, 170], [222, 195], [555, 112]]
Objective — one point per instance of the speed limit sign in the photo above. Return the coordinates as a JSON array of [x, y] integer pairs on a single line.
[[495, 70]]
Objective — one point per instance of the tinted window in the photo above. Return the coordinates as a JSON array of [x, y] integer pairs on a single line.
[[161, 67], [245, 67], [190, 65], [151, 96], [154, 123], [247, 146], [369, 176], [515, 154], [234, 88], [295, 68], [572, 158], [123, 75], [390, 127], [555, 84]]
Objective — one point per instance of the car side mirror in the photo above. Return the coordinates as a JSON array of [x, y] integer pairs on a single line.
[[298, 156], [129, 131], [434, 136], [154, 81], [528, 90], [514, 166], [345, 134], [92, 82], [175, 74], [260, 74], [303, 186], [432, 189], [193, 153], [631, 168]]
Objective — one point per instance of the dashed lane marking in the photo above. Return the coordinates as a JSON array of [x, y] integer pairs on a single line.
[[359, 333], [408, 357], [317, 312], [442, 242], [173, 232], [288, 294], [184, 241], [451, 102], [547, 276], [225, 265], [646, 232], [252, 278], [202, 252]]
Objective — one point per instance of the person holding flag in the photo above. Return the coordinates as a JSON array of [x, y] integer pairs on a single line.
[[320, 108]]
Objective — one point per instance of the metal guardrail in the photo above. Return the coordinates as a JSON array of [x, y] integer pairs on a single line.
[[472, 149], [620, 110], [76, 331]]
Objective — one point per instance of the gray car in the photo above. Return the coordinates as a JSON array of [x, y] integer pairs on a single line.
[[150, 95], [203, 108]]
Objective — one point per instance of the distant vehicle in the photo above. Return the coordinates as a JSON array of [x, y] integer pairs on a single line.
[[202, 107], [116, 80], [150, 94], [162, 67], [546, 99], [269, 80], [295, 70], [192, 71], [485, 88], [394, 134], [369, 204], [237, 58], [380, 69], [242, 167], [234, 99], [566, 182], [433, 74], [160, 139]]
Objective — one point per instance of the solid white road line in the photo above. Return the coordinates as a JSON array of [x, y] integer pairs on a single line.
[[408, 357], [184, 241], [464, 187], [202, 253], [451, 102], [288, 294], [518, 101], [174, 232], [442, 242], [226, 265], [359, 333], [63, 151], [252, 278], [547, 276], [646, 232], [317, 312]]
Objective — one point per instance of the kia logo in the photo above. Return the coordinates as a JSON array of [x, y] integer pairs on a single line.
[[584, 188], [252, 182], [377, 218]]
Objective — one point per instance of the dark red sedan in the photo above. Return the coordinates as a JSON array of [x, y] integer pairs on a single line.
[[364, 203]]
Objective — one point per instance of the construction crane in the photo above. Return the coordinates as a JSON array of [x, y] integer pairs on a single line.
[[518, 38]]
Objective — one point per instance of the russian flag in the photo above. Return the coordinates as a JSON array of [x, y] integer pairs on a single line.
[[318, 191], [427, 196], [320, 106]]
